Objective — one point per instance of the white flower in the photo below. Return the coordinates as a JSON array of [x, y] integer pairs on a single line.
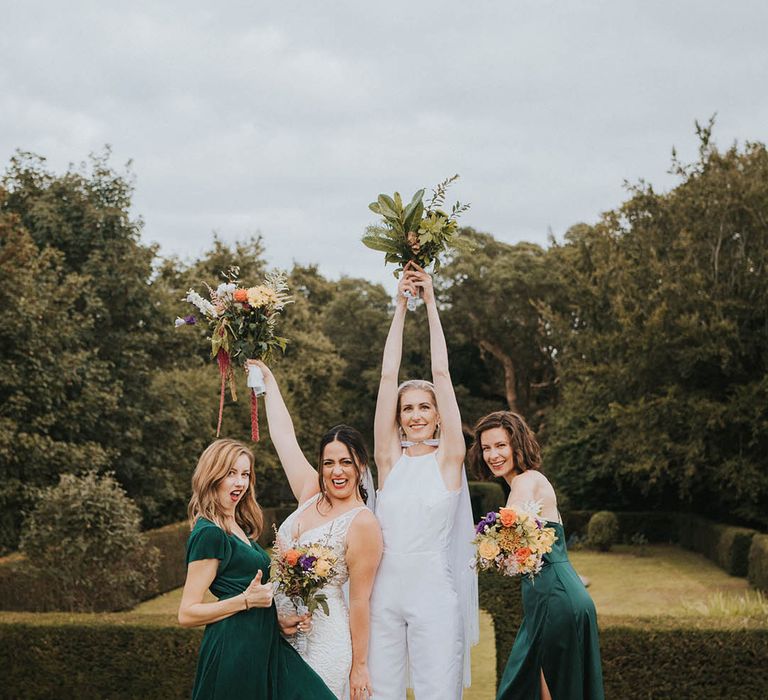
[[179, 322], [225, 290], [204, 305]]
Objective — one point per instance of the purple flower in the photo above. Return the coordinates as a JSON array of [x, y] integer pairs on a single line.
[[190, 320], [306, 561], [488, 521]]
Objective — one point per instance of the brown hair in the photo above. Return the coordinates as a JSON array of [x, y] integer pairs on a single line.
[[213, 466], [526, 453], [353, 441]]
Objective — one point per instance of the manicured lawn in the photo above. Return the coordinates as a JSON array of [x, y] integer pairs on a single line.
[[622, 583]]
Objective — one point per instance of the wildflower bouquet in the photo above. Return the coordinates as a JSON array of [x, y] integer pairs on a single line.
[[243, 323], [299, 573], [513, 541], [416, 231]]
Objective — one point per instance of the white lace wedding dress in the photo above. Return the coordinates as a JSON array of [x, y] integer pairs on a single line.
[[329, 645]]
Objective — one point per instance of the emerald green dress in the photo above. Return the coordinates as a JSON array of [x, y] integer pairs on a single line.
[[558, 635], [243, 656]]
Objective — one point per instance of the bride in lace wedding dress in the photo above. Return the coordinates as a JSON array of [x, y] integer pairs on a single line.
[[332, 511]]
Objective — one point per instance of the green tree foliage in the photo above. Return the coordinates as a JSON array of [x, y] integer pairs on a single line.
[[662, 354], [501, 352], [55, 391], [84, 534]]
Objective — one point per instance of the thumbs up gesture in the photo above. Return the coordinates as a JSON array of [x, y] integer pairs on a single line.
[[258, 594]]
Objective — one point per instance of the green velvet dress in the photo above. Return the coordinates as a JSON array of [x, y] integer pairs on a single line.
[[243, 656], [558, 635]]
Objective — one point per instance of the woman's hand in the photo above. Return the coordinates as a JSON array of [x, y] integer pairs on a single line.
[[406, 287], [266, 371], [360, 682], [291, 624], [421, 280], [258, 594]]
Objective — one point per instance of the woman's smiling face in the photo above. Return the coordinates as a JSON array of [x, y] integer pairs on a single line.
[[418, 414], [497, 451], [340, 474]]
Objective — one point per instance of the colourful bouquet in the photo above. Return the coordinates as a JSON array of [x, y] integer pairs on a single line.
[[299, 573], [243, 322], [513, 541], [417, 232]]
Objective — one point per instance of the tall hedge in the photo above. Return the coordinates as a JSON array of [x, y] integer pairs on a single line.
[[22, 589], [726, 545], [758, 562]]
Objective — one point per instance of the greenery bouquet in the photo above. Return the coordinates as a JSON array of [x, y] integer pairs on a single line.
[[417, 231], [243, 327]]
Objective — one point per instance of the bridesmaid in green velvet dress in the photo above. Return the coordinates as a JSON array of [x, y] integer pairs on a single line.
[[242, 654], [556, 654]]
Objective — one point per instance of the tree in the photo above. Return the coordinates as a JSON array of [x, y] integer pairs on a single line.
[[663, 354]]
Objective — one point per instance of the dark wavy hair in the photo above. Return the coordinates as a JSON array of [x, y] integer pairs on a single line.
[[526, 453], [354, 442]]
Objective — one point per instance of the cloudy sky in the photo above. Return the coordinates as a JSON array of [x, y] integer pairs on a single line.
[[287, 118]]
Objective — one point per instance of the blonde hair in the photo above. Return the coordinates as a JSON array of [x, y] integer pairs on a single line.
[[421, 384], [212, 467], [408, 385]]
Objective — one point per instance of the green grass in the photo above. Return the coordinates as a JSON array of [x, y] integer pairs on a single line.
[[668, 580]]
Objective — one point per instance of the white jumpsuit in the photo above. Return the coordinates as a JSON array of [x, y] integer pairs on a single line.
[[416, 617]]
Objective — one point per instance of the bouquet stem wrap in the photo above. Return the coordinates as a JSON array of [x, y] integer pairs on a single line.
[[224, 369], [258, 388]]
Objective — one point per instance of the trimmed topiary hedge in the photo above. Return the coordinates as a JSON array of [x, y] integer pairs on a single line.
[[486, 496], [758, 562], [726, 545], [651, 659], [96, 661], [603, 530], [22, 590], [656, 527]]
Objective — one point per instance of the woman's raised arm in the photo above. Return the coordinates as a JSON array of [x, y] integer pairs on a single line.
[[386, 441], [301, 476], [452, 446]]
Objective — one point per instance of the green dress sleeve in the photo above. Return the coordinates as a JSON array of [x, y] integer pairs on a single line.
[[208, 541]]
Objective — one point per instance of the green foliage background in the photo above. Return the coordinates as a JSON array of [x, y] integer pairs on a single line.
[[636, 346]]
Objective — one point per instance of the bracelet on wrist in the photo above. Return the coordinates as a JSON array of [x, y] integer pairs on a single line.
[[245, 598]]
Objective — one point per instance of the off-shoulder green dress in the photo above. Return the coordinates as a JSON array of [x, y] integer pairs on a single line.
[[558, 635], [243, 656]]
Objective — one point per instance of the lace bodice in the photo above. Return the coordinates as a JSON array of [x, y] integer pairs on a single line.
[[329, 646]]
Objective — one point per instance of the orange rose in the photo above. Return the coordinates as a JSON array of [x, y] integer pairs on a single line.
[[523, 553], [291, 557], [507, 517], [241, 295]]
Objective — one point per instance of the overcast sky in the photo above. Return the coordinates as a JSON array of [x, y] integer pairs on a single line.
[[287, 118]]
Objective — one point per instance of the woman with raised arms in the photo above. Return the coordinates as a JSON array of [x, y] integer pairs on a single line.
[[242, 654], [424, 610], [332, 510], [556, 653]]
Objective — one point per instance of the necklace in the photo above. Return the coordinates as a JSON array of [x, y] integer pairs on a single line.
[[431, 442]]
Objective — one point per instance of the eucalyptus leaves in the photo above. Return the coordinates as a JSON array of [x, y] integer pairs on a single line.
[[416, 231]]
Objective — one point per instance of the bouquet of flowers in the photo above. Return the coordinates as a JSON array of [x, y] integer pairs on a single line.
[[513, 542], [416, 231], [243, 322], [299, 572]]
